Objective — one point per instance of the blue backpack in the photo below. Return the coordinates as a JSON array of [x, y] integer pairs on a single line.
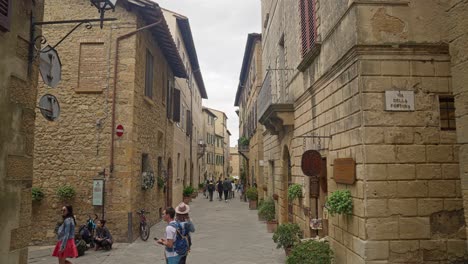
[[181, 244]]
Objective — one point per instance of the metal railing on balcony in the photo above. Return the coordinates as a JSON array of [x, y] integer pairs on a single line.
[[273, 91]]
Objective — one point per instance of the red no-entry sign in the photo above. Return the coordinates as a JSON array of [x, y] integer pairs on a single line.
[[119, 130]]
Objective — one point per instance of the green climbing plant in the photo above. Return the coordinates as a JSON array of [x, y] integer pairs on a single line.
[[340, 202], [294, 191]]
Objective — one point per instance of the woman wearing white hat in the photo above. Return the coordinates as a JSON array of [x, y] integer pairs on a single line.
[[182, 216]]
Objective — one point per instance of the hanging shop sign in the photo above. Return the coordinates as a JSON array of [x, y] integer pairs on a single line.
[[399, 101], [344, 171], [311, 163], [98, 191], [50, 66]]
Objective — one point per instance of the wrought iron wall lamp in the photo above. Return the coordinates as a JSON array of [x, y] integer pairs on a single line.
[[34, 48]]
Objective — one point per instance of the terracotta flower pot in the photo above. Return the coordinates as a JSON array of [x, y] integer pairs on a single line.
[[271, 226], [253, 205]]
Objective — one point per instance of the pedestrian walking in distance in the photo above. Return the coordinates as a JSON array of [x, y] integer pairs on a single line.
[[226, 188], [219, 186], [233, 188], [182, 216], [65, 247], [169, 237], [211, 189]]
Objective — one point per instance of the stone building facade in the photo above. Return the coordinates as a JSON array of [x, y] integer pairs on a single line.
[[330, 67], [18, 83], [111, 76], [250, 82], [208, 166], [187, 131], [234, 162], [221, 145], [458, 49]]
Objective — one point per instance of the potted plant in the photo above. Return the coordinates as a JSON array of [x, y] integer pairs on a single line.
[[267, 212], [187, 193], [243, 141], [275, 196], [201, 186], [252, 195], [311, 252], [287, 236], [259, 206], [294, 191], [340, 202], [37, 194], [66, 192]]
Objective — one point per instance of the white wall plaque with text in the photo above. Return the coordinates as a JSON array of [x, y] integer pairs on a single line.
[[399, 101]]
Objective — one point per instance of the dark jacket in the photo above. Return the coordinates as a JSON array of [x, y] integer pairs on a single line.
[[227, 186], [220, 186]]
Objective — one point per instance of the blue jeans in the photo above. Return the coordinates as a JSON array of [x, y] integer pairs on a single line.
[[173, 260]]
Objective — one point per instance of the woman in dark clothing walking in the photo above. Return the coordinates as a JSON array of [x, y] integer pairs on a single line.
[[103, 238], [219, 186], [65, 247]]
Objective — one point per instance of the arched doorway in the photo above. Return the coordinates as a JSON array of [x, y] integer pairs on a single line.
[[286, 182], [169, 183]]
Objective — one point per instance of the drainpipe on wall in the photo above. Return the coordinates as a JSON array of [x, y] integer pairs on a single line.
[[114, 92]]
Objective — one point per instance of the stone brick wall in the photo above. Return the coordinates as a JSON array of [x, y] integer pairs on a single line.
[[76, 147], [407, 176], [17, 104], [458, 49]]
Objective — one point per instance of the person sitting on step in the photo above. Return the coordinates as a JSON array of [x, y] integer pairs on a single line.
[[103, 238]]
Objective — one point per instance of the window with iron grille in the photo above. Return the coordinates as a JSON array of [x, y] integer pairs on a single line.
[[149, 75], [5, 14], [308, 32], [447, 113]]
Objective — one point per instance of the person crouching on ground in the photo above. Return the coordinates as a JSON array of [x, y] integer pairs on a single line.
[[103, 238], [170, 235], [65, 247], [182, 216]]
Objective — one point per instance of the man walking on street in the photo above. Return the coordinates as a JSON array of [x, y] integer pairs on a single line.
[[219, 186], [170, 236], [226, 187]]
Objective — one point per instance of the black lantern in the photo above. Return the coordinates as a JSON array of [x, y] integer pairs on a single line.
[[103, 6]]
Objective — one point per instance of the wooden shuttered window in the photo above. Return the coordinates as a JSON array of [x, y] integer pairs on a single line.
[[5, 14], [189, 123], [149, 74], [308, 30], [169, 103], [176, 108]]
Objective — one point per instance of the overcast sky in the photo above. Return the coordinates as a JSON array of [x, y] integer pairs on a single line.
[[220, 29]]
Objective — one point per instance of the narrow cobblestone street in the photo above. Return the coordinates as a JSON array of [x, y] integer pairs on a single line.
[[225, 233]]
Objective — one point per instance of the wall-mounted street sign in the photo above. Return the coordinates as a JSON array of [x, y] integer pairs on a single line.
[[311, 163], [400, 101], [49, 106], [50, 66], [98, 191], [119, 130], [344, 171]]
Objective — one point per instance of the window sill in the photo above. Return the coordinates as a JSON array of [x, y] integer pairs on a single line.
[[310, 56], [88, 91]]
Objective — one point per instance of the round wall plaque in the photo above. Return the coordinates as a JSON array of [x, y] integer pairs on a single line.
[[311, 163]]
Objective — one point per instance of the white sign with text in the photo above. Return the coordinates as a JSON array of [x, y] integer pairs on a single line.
[[401, 101]]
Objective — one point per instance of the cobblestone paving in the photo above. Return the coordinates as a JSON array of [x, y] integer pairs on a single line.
[[226, 233]]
